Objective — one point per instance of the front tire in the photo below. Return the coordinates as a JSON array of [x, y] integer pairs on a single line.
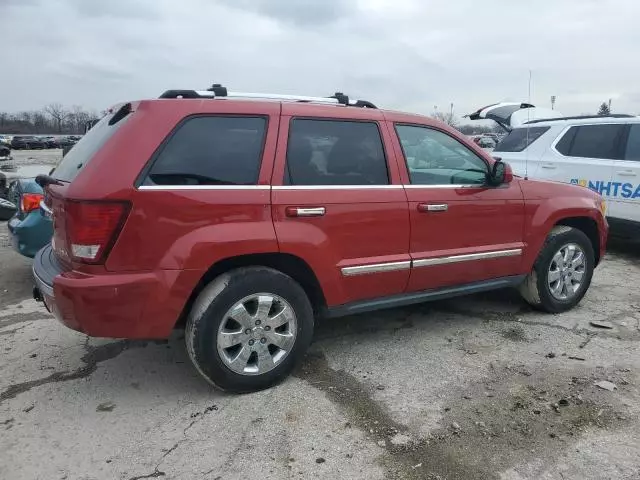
[[248, 329], [562, 272]]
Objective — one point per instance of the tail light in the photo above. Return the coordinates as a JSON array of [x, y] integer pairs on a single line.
[[92, 228], [30, 202]]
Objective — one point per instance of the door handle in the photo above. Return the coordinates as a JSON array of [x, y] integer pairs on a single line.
[[433, 207], [305, 211], [627, 173], [548, 166]]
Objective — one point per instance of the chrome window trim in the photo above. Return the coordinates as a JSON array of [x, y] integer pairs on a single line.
[[376, 268], [299, 187], [427, 262], [204, 187], [477, 185], [335, 187]]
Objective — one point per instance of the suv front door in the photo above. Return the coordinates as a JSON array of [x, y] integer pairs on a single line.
[[462, 230], [338, 202]]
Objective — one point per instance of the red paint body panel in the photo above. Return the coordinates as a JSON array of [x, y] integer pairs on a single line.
[[547, 203], [141, 305], [173, 236], [360, 227], [477, 220]]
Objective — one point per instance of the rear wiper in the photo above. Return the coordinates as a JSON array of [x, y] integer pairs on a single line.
[[44, 180]]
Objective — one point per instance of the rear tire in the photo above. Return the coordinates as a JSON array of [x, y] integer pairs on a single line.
[[7, 209], [235, 345], [562, 272]]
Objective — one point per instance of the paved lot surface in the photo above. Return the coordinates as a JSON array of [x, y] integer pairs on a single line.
[[36, 157], [473, 388]]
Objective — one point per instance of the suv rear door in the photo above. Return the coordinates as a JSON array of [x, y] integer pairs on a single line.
[[585, 155], [338, 203], [626, 172], [462, 230]]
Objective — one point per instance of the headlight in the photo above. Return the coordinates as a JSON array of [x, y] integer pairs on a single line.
[[603, 207]]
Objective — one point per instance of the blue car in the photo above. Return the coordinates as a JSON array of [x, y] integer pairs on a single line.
[[29, 229]]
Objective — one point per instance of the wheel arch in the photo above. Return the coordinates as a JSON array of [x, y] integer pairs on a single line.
[[291, 265], [589, 227]]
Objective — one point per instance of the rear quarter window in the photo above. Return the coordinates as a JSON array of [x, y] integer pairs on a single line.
[[520, 138], [83, 152], [211, 150]]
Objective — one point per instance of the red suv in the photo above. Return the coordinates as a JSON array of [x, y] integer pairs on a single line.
[[248, 217]]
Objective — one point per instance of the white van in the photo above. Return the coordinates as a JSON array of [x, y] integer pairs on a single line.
[[598, 152]]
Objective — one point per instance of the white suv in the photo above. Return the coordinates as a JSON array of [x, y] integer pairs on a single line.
[[598, 152]]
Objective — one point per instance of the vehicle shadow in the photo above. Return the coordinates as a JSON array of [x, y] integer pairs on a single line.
[[505, 303], [624, 247]]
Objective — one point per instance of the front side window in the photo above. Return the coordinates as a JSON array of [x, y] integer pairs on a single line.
[[435, 158], [211, 150], [334, 152]]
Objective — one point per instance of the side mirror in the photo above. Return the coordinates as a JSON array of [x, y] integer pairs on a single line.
[[501, 173]]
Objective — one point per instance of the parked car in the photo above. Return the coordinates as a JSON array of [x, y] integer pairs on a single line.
[[66, 141], [26, 142], [598, 152], [5, 153], [49, 142], [236, 217], [493, 136], [13, 181], [7, 209], [484, 142], [29, 229], [5, 141]]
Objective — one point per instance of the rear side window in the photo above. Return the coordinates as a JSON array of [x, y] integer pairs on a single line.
[[633, 144], [520, 138], [564, 144], [83, 151], [333, 152], [211, 150], [592, 141]]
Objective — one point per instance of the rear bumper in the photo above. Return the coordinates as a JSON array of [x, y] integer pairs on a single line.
[[30, 234], [128, 305]]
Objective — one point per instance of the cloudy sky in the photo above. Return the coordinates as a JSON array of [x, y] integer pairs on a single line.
[[401, 54]]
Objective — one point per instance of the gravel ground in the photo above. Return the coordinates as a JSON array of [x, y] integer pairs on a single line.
[[36, 157], [480, 387]]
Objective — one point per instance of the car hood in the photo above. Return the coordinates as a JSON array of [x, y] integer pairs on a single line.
[[511, 115]]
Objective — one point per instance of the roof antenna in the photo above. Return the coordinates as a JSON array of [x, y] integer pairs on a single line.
[[526, 151]]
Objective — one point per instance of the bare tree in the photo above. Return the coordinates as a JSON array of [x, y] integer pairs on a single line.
[[53, 118], [448, 118], [78, 117], [58, 114], [40, 122]]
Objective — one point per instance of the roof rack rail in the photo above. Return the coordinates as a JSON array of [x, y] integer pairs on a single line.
[[217, 90], [579, 117]]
